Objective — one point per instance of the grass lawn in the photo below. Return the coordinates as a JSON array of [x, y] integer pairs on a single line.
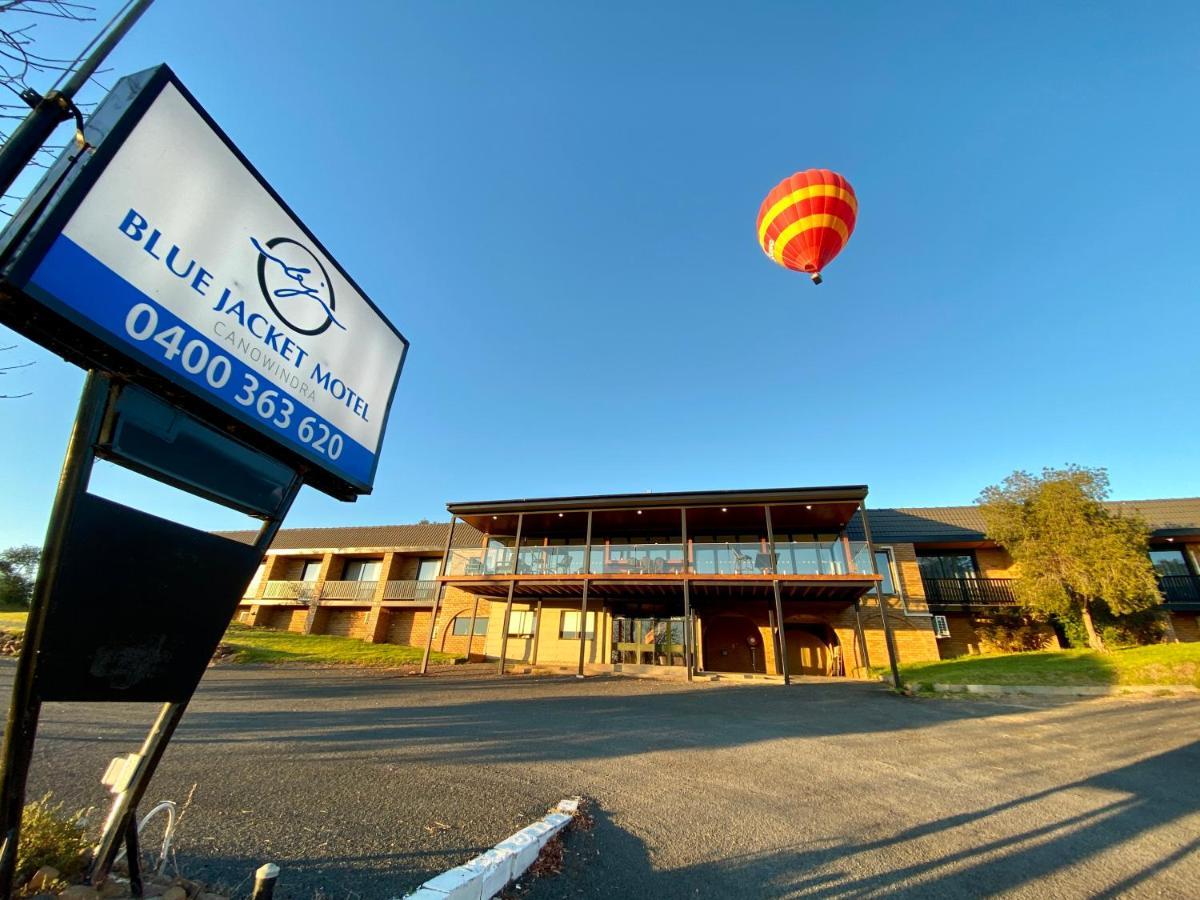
[[261, 645], [1157, 664], [12, 618]]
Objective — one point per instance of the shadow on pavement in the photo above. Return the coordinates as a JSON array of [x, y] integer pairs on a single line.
[[611, 862]]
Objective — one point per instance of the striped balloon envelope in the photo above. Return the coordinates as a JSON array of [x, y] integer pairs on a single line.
[[806, 220]]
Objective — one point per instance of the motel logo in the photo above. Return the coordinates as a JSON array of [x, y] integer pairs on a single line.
[[295, 285]]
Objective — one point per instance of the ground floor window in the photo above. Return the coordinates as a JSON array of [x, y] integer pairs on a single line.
[[520, 623], [647, 641], [568, 628], [462, 625]]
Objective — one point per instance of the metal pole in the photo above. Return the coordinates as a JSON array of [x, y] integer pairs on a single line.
[[264, 881], [437, 600], [24, 708], [883, 613], [781, 638], [133, 855], [504, 631], [55, 108], [587, 570]]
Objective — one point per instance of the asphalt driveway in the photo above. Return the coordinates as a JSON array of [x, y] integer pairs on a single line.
[[361, 785]]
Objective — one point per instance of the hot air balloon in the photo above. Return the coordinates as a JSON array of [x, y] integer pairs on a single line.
[[806, 220]]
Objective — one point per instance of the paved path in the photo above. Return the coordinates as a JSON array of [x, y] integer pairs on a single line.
[[362, 785]]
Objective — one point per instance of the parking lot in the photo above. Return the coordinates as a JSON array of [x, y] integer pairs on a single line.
[[363, 784]]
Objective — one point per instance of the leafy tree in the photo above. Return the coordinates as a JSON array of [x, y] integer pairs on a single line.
[[18, 569], [1075, 556]]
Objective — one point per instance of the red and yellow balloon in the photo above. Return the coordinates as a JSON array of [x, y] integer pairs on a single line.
[[807, 219]]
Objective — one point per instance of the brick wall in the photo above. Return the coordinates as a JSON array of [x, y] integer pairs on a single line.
[[967, 637], [912, 635], [1187, 626], [994, 562], [409, 627], [351, 623]]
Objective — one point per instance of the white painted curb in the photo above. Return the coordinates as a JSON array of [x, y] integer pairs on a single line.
[[1060, 690], [487, 874]]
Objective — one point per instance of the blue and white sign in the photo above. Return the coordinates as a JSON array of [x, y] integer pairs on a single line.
[[181, 257]]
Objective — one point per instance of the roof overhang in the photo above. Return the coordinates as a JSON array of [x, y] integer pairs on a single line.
[[831, 507]]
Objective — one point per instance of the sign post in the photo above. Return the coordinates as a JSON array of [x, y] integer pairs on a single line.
[[228, 355]]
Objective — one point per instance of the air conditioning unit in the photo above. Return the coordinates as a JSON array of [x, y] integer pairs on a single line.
[[941, 628]]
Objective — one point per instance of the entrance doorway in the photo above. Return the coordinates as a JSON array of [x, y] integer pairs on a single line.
[[648, 640], [733, 644], [812, 650]]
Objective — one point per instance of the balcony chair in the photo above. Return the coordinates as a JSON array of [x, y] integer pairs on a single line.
[[741, 561], [764, 563]]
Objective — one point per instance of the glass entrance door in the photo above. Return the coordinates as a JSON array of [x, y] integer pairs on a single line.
[[648, 641]]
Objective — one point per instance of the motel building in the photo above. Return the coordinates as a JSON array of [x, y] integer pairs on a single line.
[[777, 583]]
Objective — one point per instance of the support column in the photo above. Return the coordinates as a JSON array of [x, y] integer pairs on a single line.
[[587, 570], [437, 596], [687, 597], [883, 613], [377, 616], [780, 638], [314, 605], [504, 626], [861, 635], [512, 571], [537, 630], [471, 633]]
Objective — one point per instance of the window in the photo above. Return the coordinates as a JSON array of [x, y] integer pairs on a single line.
[[361, 570], [946, 565], [568, 628], [520, 623], [310, 570], [941, 628], [462, 625], [429, 569], [1169, 562], [883, 561]]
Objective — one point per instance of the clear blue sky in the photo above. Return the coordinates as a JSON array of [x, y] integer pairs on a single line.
[[556, 203]]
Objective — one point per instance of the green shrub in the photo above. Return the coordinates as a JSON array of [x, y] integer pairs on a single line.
[[1134, 630], [1011, 632], [50, 837]]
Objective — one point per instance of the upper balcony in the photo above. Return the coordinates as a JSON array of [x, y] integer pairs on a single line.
[[1179, 593], [720, 538], [829, 557]]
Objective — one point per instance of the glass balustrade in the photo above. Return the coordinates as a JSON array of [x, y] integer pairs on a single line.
[[552, 560], [637, 559], [823, 558], [832, 557], [729, 558], [480, 561]]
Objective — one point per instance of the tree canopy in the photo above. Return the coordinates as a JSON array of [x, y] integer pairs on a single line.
[[18, 569], [1074, 554]]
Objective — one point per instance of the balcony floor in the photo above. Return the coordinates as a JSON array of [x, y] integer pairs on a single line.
[[838, 588]]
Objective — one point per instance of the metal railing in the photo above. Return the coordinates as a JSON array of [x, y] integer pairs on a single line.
[[291, 590], [348, 590], [410, 590], [984, 592], [1180, 590]]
